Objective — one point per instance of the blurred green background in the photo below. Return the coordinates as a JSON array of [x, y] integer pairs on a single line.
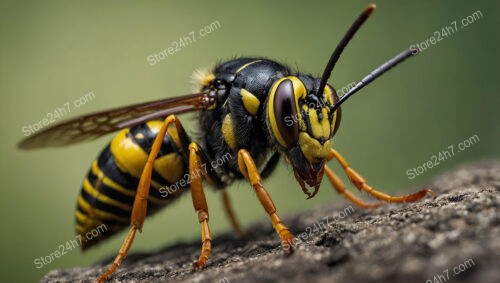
[[53, 52]]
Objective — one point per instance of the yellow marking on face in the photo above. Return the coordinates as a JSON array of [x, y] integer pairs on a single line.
[[312, 149], [299, 91], [250, 101], [319, 128], [330, 98], [328, 94], [170, 167], [228, 132], [246, 65]]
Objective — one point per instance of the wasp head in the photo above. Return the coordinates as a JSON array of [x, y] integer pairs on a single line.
[[301, 125]]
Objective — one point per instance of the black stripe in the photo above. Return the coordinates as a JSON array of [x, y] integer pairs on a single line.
[[108, 191], [95, 203], [116, 195], [107, 164], [168, 145], [80, 209], [110, 224], [92, 178], [108, 167], [79, 222], [155, 176]]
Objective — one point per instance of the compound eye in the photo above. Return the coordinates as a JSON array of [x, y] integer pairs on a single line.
[[285, 113]]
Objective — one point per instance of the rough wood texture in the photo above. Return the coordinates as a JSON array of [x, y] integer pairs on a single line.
[[395, 243]]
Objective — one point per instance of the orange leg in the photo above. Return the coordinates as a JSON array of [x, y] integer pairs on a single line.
[[249, 170], [200, 205], [361, 184], [228, 208], [141, 198], [340, 188]]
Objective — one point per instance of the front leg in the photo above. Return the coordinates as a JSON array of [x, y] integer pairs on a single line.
[[249, 170], [359, 182]]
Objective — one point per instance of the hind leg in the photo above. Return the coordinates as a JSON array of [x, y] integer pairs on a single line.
[[141, 198]]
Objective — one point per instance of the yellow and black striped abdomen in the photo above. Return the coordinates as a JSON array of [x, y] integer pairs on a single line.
[[108, 191]]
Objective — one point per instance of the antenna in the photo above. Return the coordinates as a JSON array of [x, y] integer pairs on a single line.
[[342, 44], [373, 75]]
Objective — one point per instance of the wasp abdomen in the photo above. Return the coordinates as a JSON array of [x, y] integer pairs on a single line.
[[108, 191]]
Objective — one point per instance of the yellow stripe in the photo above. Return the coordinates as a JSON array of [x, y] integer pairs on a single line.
[[80, 229], [155, 127], [115, 186], [246, 65], [129, 156], [103, 198], [86, 223], [110, 183], [91, 211], [170, 167], [81, 217]]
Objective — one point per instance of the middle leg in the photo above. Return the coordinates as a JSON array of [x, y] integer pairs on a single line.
[[199, 204]]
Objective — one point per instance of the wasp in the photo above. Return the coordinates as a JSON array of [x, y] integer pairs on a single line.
[[255, 109]]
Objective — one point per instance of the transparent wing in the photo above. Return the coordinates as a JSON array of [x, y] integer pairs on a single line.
[[92, 126]]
